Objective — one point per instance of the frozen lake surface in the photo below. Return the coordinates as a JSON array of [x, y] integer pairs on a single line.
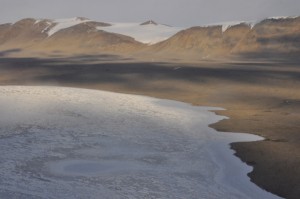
[[78, 143]]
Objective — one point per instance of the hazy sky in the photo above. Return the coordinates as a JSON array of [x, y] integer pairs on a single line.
[[172, 12]]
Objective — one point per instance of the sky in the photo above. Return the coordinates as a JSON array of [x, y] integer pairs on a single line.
[[182, 13]]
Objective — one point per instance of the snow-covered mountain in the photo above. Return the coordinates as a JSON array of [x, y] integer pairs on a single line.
[[148, 32], [80, 35]]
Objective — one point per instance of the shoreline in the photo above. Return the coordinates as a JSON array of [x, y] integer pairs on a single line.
[[259, 99], [211, 109], [210, 157]]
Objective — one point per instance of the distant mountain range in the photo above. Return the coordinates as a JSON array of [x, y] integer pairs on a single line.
[[271, 38]]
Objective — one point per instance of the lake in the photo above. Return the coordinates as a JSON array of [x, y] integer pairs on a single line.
[[61, 142]]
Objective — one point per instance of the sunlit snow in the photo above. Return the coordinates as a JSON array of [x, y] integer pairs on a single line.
[[148, 34]]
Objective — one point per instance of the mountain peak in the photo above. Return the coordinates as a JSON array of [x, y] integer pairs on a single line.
[[150, 22], [82, 19]]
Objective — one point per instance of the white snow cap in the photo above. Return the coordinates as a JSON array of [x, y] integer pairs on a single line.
[[149, 33]]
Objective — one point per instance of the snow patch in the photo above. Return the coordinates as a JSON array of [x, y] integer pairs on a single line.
[[226, 25], [148, 34], [47, 28], [283, 17], [37, 21], [65, 23]]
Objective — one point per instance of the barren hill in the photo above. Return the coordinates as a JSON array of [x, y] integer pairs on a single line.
[[270, 38], [77, 36], [202, 42]]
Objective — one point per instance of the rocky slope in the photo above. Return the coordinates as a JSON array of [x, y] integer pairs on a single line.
[[203, 42], [270, 38], [74, 36]]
